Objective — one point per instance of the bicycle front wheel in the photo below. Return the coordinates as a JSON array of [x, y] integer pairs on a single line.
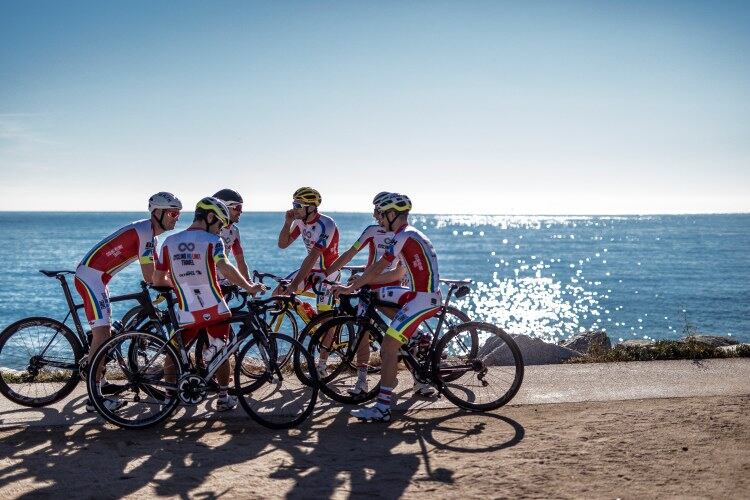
[[483, 379], [38, 361], [347, 342], [139, 393], [271, 393]]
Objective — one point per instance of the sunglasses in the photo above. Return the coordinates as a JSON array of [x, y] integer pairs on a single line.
[[298, 205], [237, 207], [173, 213]]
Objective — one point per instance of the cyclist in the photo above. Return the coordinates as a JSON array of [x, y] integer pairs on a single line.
[[419, 302], [231, 234], [321, 238], [376, 239], [189, 262], [137, 240]]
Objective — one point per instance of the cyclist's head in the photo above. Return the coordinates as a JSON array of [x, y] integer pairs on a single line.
[[233, 201], [392, 208], [213, 212], [376, 201], [165, 209], [305, 201]]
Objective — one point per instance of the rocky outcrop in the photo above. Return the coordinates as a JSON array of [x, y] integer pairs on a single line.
[[594, 341], [534, 351], [637, 342], [710, 340]]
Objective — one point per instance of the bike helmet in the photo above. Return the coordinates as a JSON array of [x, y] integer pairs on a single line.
[[307, 196], [209, 204], [164, 200], [380, 197], [398, 202], [228, 196]]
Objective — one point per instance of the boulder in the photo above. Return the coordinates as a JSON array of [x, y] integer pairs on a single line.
[[598, 341], [711, 340], [637, 343], [731, 349], [534, 351]]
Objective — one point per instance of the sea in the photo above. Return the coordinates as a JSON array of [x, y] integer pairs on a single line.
[[635, 277]]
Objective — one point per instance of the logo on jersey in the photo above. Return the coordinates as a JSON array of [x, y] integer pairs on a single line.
[[186, 247], [390, 241], [115, 252], [417, 262], [206, 316]]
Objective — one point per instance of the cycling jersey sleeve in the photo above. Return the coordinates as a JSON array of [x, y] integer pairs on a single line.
[[162, 263], [364, 239], [236, 245], [146, 249], [218, 251]]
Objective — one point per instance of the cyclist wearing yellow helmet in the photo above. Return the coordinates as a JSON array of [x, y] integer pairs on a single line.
[[189, 261], [419, 302], [321, 238]]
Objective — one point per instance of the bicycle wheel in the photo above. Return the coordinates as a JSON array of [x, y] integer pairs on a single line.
[[137, 396], [483, 381], [282, 321], [341, 339], [307, 334], [273, 396], [38, 361]]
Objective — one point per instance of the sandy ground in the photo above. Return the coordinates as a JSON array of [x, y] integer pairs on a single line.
[[678, 447]]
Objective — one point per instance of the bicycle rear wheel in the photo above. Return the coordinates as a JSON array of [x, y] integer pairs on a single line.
[[272, 394], [38, 361], [341, 338], [140, 394], [483, 381]]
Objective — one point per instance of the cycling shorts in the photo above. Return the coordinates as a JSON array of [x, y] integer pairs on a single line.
[[416, 307], [91, 284]]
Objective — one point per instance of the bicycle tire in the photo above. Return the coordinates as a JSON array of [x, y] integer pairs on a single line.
[[62, 382], [269, 375], [501, 360], [307, 333], [343, 370], [110, 359]]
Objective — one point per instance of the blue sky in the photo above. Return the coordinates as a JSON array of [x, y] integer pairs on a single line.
[[468, 107]]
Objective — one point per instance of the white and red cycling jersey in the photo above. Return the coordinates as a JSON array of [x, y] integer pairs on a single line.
[[116, 251], [190, 256], [231, 237], [320, 233], [417, 254], [377, 240]]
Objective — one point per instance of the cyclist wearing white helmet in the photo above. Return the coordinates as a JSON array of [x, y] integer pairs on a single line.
[[136, 241], [419, 302], [231, 234], [189, 261]]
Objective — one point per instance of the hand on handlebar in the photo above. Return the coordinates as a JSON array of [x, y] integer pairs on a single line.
[[257, 288], [339, 289]]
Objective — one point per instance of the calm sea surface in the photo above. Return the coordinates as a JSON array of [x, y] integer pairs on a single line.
[[634, 276]]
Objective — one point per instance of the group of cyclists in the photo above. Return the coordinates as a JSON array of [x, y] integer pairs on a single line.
[[401, 269]]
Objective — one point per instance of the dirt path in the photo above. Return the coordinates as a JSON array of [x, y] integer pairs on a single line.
[[659, 447]]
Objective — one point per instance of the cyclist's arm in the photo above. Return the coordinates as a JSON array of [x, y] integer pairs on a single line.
[[161, 278], [343, 260], [235, 277], [242, 266], [148, 272], [389, 276], [287, 235], [371, 273], [305, 268]]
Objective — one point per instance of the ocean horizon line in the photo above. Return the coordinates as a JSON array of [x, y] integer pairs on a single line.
[[621, 214]]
